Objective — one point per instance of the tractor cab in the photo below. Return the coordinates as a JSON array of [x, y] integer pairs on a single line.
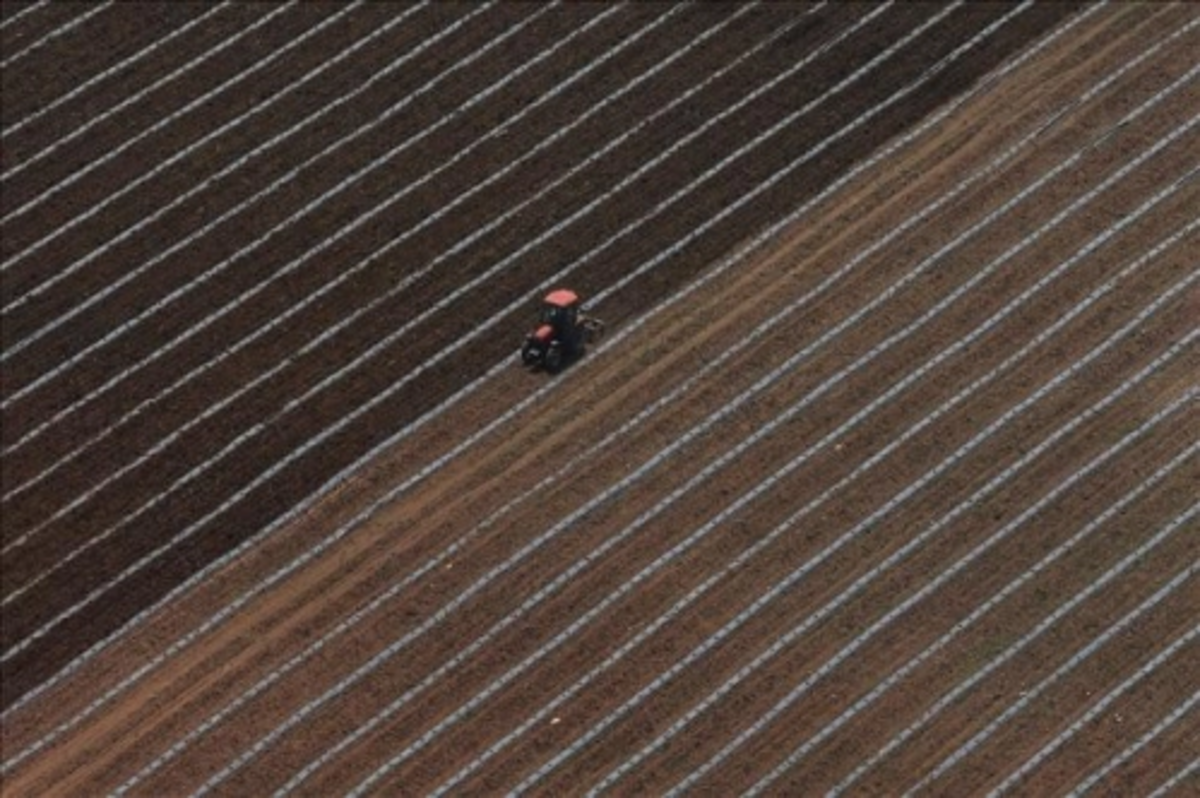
[[561, 333], [560, 309]]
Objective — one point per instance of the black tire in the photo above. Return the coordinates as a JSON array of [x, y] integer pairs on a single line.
[[553, 359]]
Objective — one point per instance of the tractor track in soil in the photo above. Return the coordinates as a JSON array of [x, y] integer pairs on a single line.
[[135, 733]]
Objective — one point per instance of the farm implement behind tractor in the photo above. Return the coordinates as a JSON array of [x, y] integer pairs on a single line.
[[562, 333]]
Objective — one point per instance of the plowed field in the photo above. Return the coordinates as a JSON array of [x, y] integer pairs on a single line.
[[882, 480]]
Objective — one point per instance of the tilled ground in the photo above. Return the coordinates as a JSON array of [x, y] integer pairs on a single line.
[[746, 537]]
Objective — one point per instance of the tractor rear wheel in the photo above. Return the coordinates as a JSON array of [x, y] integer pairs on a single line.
[[554, 358]]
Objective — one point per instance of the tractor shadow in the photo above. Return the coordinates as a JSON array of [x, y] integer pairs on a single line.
[[547, 371]]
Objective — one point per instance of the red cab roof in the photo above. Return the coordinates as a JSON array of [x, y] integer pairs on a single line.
[[562, 298]]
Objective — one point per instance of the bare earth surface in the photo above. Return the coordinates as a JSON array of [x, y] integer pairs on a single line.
[[882, 480]]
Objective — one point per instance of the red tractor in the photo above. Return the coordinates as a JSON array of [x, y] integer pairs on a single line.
[[562, 332]]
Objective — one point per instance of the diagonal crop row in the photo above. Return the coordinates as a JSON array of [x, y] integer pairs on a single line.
[[933, 584], [1028, 696], [108, 73], [374, 302], [781, 587], [265, 105], [887, 396], [1188, 771], [263, 376], [943, 702], [492, 372], [250, 248], [1011, 587], [346, 274], [456, 452], [16, 16], [480, 329], [22, 210], [1108, 698], [58, 32], [765, 541], [1137, 745]]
